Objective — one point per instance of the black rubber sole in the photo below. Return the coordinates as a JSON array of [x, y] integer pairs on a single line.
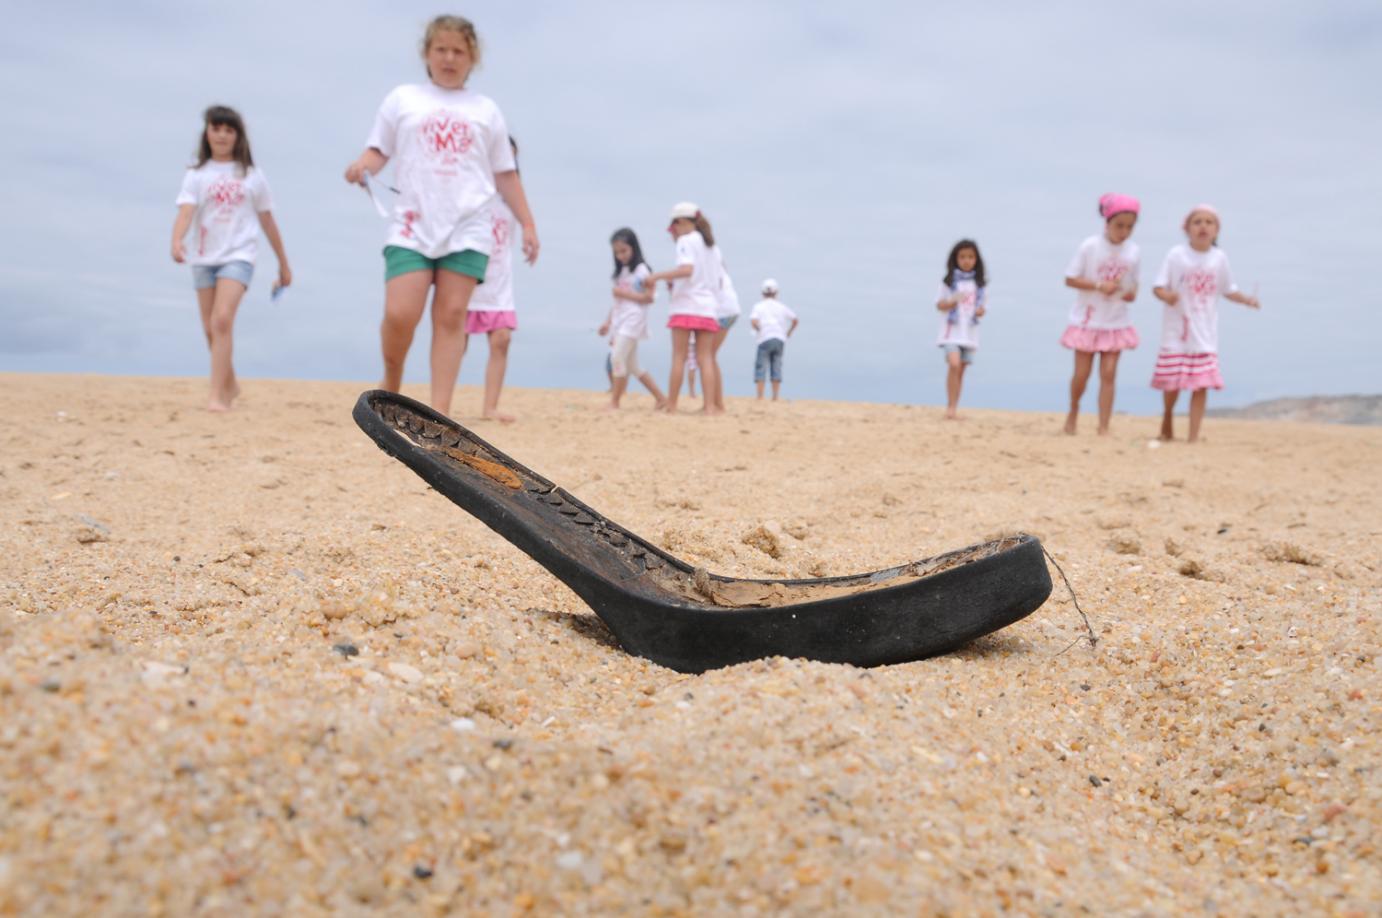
[[686, 618]]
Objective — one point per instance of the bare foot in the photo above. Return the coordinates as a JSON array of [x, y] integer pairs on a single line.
[[499, 416], [1103, 431], [1070, 423], [217, 406], [660, 406], [611, 406]]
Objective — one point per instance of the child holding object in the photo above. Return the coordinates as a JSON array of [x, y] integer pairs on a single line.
[[695, 285], [452, 158], [961, 301], [1191, 280], [627, 323], [774, 322], [228, 200], [1104, 270]]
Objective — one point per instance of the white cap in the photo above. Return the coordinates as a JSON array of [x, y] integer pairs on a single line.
[[685, 211], [770, 286]]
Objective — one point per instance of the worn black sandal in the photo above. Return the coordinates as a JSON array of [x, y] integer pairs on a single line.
[[683, 617]]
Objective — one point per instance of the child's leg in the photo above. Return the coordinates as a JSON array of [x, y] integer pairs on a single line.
[[953, 374], [206, 297], [775, 367], [1108, 371], [1168, 400], [494, 374], [651, 385], [1198, 399], [691, 381], [643, 375], [710, 373], [225, 301], [405, 299], [1084, 363], [449, 306], [679, 338], [716, 340], [619, 369]]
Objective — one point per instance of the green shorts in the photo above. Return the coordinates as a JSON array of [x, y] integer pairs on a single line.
[[398, 260]]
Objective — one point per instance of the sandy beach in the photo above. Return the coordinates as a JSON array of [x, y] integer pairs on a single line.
[[251, 665]]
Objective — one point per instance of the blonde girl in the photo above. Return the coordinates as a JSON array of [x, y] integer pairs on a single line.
[[452, 157], [1191, 280]]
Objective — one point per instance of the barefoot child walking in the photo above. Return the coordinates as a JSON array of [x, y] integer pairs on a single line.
[[1104, 271], [774, 322], [451, 152], [1191, 280], [492, 312], [627, 323], [695, 284], [227, 199], [961, 302]]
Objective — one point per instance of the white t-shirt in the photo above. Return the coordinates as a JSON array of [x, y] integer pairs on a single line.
[[697, 295], [727, 300], [225, 225], [1192, 325], [958, 325], [496, 293], [628, 318], [446, 145], [774, 319], [1099, 260]]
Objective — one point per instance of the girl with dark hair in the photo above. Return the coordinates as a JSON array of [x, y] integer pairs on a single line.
[[695, 284], [1104, 271], [627, 322], [228, 201], [961, 299]]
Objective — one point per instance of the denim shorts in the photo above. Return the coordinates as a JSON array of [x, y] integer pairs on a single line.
[[966, 353], [204, 276], [769, 360], [727, 322]]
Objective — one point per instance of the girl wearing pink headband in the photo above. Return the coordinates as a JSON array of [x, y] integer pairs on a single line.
[[1190, 282], [1104, 271]]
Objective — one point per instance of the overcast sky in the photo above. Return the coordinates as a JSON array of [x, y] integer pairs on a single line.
[[841, 148]]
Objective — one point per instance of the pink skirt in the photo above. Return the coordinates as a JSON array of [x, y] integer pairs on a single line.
[[694, 323], [1099, 340], [484, 321], [1176, 372]]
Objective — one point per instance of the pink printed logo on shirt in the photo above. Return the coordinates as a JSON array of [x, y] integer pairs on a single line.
[[1111, 270], [226, 193], [502, 231], [1202, 285], [446, 136]]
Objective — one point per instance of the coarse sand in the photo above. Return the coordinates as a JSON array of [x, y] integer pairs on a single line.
[[251, 665]]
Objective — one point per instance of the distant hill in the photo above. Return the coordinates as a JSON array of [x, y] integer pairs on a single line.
[[1318, 409]]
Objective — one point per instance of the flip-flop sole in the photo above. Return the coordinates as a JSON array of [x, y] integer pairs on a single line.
[[685, 618]]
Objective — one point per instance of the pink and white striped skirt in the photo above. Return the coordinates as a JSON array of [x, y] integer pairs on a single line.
[[1176, 371]]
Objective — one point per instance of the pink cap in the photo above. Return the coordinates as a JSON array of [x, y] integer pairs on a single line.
[[1110, 205]]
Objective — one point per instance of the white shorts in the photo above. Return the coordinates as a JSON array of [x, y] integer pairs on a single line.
[[624, 358]]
